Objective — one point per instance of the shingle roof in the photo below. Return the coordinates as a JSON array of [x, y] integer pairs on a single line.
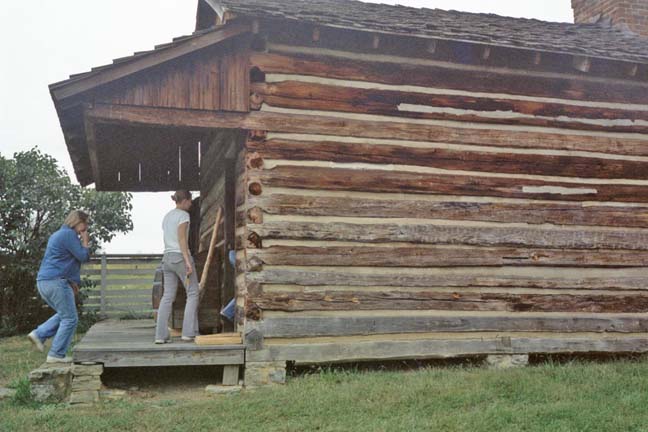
[[158, 48], [581, 39], [594, 40]]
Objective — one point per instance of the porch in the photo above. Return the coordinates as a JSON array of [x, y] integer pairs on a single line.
[[129, 343]]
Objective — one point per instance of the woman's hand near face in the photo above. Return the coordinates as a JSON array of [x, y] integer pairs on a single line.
[[85, 237]]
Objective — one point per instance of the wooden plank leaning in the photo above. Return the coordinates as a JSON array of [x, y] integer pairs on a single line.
[[210, 253]]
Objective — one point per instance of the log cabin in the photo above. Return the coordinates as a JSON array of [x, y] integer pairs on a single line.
[[397, 183]]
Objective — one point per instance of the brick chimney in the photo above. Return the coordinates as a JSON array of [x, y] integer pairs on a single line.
[[629, 15]]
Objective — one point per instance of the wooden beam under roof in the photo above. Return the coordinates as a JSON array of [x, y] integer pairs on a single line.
[[167, 117], [84, 83], [91, 140]]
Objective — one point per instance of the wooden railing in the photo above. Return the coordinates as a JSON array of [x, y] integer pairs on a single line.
[[120, 285]]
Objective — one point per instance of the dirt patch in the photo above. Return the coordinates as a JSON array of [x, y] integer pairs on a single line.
[[164, 383]]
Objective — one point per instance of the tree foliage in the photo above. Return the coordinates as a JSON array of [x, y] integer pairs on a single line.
[[36, 195]]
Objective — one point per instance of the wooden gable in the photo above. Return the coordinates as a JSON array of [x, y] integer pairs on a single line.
[[213, 79], [204, 72], [165, 158]]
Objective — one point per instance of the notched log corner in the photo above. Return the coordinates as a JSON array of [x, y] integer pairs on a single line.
[[254, 288], [255, 215], [257, 135], [252, 311], [254, 160], [255, 188], [255, 264], [254, 340], [255, 240]]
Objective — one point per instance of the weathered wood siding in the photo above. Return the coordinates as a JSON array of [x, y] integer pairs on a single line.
[[223, 185], [211, 79], [400, 207]]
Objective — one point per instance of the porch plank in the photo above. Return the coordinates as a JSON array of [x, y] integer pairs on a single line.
[[130, 344]]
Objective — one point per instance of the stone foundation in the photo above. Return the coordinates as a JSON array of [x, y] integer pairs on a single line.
[[86, 383], [507, 361], [51, 382], [264, 373]]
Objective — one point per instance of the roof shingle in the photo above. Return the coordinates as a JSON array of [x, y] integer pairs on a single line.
[[594, 40]]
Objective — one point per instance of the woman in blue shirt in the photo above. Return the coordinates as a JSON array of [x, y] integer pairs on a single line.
[[57, 282]]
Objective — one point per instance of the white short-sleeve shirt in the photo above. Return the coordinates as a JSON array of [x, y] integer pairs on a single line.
[[170, 224]]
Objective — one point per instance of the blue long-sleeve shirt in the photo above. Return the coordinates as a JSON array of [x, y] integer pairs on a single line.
[[63, 256]]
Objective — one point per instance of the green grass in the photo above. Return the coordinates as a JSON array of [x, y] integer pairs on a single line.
[[577, 396], [17, 358]]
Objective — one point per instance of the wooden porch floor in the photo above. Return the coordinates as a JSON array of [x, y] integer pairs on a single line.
[[129, 343]]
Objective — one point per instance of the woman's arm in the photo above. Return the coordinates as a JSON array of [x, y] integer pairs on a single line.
[[183, 239], [79, 249]]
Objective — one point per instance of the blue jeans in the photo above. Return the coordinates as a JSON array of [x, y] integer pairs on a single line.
[[58, 294]]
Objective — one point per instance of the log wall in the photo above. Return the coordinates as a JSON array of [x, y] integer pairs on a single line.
[[399, 207]]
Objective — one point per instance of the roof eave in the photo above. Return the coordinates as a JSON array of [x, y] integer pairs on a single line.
[[71, 87]]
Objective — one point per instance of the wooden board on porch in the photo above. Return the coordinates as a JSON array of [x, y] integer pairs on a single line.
[[129, 343]]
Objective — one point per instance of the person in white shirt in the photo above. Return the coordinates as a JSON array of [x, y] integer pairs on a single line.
[[177, 263]]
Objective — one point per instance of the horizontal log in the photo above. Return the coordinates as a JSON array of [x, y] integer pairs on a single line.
[[444, 256], [473, 80], [298, 95], [369, 99], [294, 326], [369, 180], [559, 213], [457, 234], [450, 159], [395, 349], [431, 131], [464, 301], [555, 278], [340, 124]]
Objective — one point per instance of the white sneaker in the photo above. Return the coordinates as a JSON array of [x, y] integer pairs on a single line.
[[161, 341], [35, 340], [187, 338], [51, 359]]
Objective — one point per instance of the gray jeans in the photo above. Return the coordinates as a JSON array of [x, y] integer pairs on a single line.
[[173, 267]]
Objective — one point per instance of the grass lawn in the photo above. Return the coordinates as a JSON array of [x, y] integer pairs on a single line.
[[577, 396]]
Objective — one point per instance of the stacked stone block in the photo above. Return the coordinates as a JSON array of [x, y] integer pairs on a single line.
[[51, 383], [86, 383], [264, 373]]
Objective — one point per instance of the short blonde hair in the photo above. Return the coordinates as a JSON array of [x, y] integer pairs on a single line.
[[76, 217]]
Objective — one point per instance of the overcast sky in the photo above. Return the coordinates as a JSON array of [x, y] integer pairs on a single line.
[[44, 41]]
